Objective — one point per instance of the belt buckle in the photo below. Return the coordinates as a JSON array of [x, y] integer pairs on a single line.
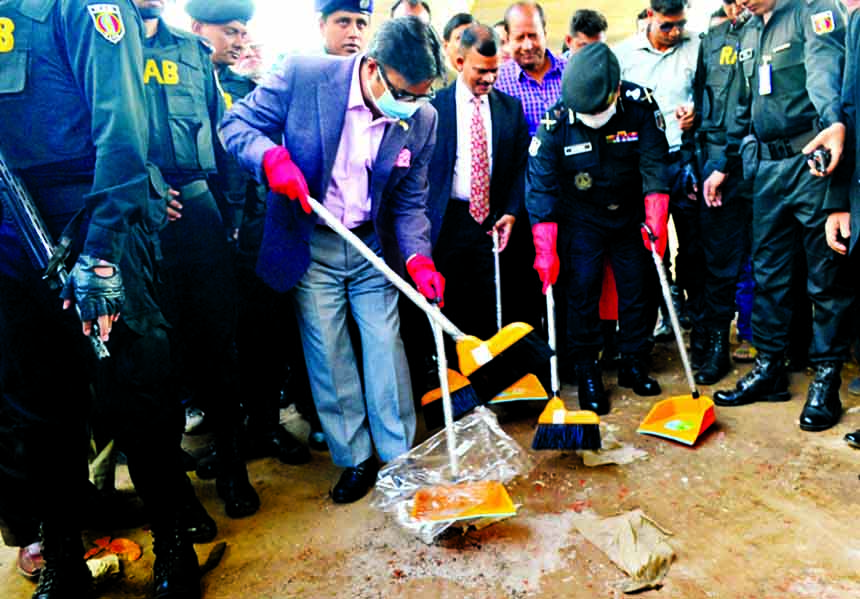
[[779, 149]]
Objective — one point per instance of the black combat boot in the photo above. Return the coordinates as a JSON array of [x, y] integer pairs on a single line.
[[633, 374], [699, 346], [823, 408], [767, 381], [194, 519], [232, 484], [717, 362], [592, 396], [65, 574], [175, 573]]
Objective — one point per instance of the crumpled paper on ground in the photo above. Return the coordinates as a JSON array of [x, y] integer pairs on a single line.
[[103, 568], [612, 451], [634, 543]]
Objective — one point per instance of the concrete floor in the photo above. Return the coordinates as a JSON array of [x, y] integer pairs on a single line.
[[758, 510]]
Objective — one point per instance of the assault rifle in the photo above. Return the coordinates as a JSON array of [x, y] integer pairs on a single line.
[[44, 254]]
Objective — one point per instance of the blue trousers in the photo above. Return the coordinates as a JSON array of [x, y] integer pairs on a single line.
[[354, 417]]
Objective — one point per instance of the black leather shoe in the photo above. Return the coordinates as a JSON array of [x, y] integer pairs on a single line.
[[592, 395], [275, 442], [663, 331], [234, 488], [175, 572], [196, 521], [767, 381], [853, 439], [355, 482], [823, 408], [717, 362], [699, 347], [633, 374]]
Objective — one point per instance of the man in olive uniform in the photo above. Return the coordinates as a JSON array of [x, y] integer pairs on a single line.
[[791, 59], [197, 290], [263, 352], [74, 130], [597, 153], [723, 224]]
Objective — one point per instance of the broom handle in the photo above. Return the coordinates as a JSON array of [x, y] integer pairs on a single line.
[[673, 316], [418, 299], [498, 271], [550, 324], [447, 410]]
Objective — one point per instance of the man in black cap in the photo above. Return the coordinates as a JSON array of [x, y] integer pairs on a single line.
[[596, 154], [344, 25], [223, 23]]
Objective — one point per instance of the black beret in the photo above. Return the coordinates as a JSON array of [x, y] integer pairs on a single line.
[[590, 78], [327, 7], [220, 11]]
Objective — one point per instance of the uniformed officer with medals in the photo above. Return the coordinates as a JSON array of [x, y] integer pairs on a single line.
[[197, 290], [791, 58], [597, 153]]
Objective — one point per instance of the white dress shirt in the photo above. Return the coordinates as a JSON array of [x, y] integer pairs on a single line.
[[462, 183]]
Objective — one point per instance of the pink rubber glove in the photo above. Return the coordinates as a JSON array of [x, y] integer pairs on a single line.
[[657, 219], [429, 281], [546, 257], [285, 177]]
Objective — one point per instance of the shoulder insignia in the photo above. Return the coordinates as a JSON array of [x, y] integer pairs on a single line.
[[639, 93], [534, 146], [107, 19], [745, 54], [822, 22], [661, 122], [551, 118]]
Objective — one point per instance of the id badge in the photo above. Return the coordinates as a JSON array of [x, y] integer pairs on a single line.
[[764, 82]]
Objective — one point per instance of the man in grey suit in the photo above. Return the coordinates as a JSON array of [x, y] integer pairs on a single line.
[[358, 135]]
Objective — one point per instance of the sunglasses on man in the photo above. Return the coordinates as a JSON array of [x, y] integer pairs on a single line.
[[402, 94], [668, 26]]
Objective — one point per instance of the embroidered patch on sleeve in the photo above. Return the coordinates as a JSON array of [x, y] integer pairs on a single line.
[[822, 22], [107, 20]]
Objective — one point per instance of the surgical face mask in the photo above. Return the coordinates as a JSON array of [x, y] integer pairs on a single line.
[[395, 109], [596, 121]]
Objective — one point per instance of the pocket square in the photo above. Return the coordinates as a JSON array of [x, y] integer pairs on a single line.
[[404, 158]]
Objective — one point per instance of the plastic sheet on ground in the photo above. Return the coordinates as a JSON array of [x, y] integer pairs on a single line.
[[634, 543], [486, 455]]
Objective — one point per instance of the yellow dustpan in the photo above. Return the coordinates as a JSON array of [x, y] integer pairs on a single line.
[[529, 387], [459, 500], [685, 417]]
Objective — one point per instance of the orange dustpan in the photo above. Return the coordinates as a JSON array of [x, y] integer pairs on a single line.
[[685, 417], [459, 500]]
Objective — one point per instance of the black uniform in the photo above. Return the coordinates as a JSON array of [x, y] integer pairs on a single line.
[[791, 83], [724, 230], [592, 183], [74, 129], [198, 288]]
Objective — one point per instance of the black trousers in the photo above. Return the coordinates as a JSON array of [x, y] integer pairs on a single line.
[[787, 219], [49, 373], [582, 249], [689, 260]]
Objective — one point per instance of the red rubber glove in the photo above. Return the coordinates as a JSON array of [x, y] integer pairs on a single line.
[[285, 177], [657, 219], [429, 281], [546, 257]]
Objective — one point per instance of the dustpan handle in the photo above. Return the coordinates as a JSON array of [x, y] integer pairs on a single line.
[[418, 299], [498, 273], [673, 316], [447, 409], [551, 339]]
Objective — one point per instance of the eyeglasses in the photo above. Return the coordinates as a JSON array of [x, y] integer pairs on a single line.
[[668, 26], [402, 94]]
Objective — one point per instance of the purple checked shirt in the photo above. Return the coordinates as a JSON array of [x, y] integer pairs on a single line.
[[536, 97]]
